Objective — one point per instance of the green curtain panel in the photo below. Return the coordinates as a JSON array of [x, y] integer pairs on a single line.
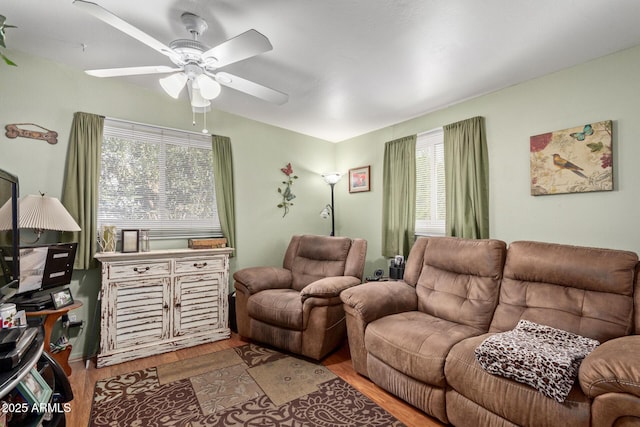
[[467, 179], [80, 189], [399, 196], [223, 177]]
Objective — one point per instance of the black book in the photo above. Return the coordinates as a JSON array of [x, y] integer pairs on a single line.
[[9, 338], [10, 359]]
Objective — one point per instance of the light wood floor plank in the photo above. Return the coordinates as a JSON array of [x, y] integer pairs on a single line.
[[83, 381]]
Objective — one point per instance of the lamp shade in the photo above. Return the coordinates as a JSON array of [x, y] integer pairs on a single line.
[[41, 212], [332, 177], [174, 83], [198, 103], [209, 88]]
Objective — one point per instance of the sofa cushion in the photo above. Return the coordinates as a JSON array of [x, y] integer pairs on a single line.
[[543, 357], [279, 307], [415, 343], [514, 401], [567, 287], [460, 280]]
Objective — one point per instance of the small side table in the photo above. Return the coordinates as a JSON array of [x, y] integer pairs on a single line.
[[51, 316]]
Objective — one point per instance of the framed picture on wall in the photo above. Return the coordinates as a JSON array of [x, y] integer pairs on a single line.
[[359, 179], [574, 160]]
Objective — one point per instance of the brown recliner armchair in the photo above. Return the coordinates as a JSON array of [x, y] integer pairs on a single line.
[[297, 307]]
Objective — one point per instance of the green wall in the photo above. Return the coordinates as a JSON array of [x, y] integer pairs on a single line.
[[604, 89], [46, 93]]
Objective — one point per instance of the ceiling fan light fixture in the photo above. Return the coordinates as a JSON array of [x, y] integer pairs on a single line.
[[209, 88], [198, 103], [173, 84]]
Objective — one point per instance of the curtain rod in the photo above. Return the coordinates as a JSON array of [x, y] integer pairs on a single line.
[[157, 126]]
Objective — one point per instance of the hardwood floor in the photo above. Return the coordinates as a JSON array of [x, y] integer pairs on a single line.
[[83, 382]]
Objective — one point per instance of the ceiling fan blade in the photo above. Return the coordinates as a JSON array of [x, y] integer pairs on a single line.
[[243, 46], [116, 22], [251, 88], [131, 71]]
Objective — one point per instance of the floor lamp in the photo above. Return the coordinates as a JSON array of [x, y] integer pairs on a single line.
[[331, 179]]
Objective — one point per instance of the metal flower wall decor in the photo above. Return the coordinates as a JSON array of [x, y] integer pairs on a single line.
[[3, 26], [287, 195]]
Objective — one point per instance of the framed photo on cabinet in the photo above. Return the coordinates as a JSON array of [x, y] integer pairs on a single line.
[[130, 241], [61, 298]]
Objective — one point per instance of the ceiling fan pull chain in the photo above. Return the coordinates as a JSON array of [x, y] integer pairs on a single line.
[[205, 130]]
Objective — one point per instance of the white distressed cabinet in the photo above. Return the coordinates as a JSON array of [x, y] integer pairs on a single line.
[[159, 301]]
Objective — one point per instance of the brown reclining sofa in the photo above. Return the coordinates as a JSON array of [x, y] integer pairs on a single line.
[[417, 338]]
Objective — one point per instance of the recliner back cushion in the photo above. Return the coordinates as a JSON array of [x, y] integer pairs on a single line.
[[460, 280], [318, 257], [587, 291]]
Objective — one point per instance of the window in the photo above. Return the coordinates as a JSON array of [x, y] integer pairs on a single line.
[[430, 191], [159, 179]]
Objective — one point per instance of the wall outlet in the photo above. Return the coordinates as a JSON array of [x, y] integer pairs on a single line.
[[75, 324], [72, 318]]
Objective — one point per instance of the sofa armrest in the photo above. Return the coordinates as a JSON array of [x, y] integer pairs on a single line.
[[329, 287], [256, 279], [378, 299], [365, 303], [612, 368]]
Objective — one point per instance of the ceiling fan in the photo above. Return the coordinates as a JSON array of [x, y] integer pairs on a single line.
[[196, 64]]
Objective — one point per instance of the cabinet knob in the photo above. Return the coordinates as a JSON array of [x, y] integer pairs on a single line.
[[199, 264], [140, 270]]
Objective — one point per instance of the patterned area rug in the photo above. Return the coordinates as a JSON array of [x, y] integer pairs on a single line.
[[243, 386]]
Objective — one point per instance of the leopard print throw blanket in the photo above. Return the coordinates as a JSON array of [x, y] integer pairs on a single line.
[[543, 357]]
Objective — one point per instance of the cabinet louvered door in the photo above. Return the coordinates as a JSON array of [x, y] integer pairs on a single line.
[[140, 312], [160, 301], [198, 303]]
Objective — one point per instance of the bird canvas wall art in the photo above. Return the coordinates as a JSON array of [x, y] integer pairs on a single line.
[[574, 160]]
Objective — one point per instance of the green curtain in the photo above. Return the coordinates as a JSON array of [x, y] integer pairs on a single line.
[[467, 179], [223, 176], [399, 196], [80, 189]]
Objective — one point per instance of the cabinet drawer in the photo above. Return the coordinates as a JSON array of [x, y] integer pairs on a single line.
[[200, 265], [139, 269]]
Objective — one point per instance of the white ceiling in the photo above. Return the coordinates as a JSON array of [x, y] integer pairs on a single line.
[[349, 66]]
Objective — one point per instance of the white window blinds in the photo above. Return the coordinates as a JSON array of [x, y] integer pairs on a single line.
[[430, 181], [159, 179]]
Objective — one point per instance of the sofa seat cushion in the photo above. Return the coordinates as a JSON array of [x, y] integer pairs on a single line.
[[543, 357], [511, 400], [415, 343], [278, 307]]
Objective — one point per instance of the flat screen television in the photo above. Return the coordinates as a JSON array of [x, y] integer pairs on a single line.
[[9, 234], [44, 267], [27, 270]]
